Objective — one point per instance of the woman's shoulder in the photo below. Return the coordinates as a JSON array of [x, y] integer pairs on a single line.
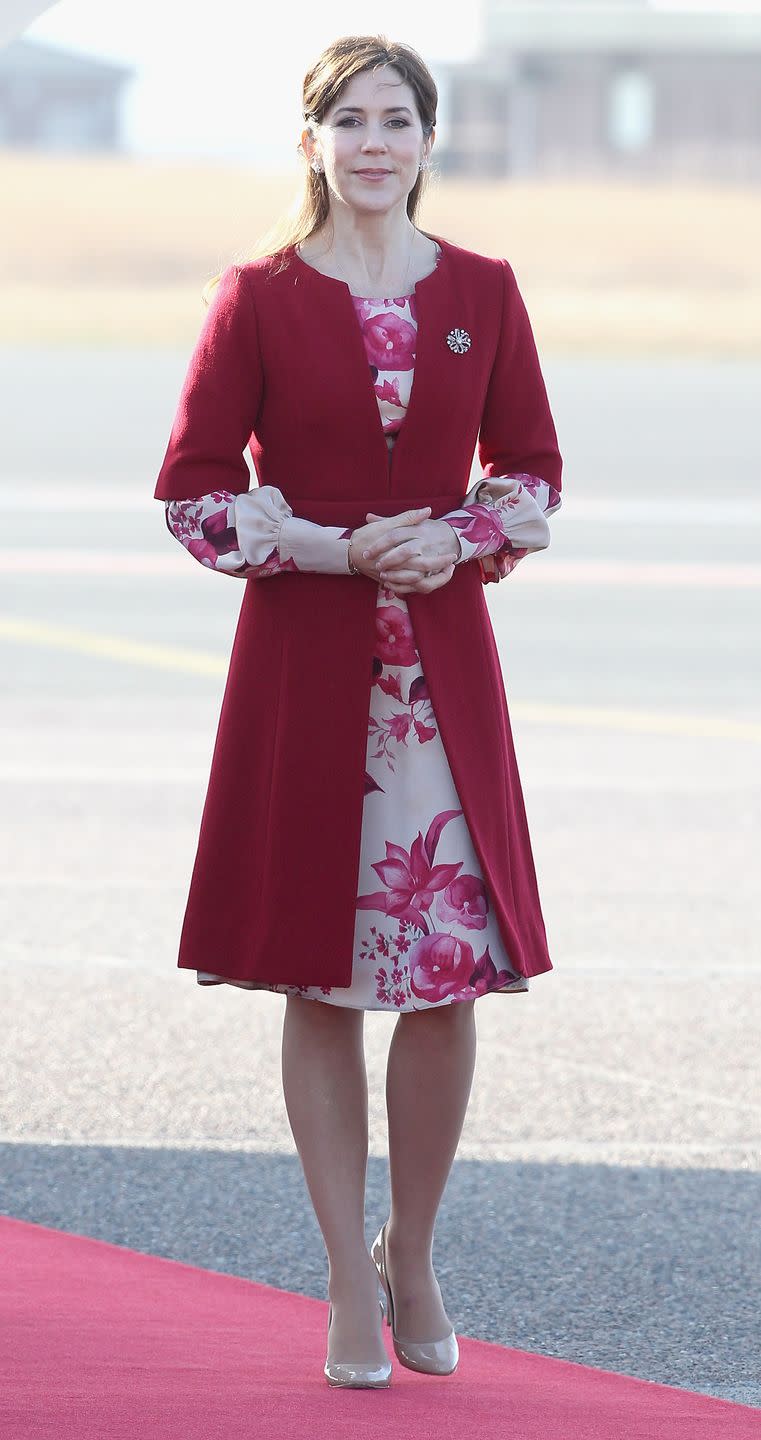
[[473, 264], [264, 267]]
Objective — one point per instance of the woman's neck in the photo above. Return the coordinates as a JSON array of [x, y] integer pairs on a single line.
[[395, 276]]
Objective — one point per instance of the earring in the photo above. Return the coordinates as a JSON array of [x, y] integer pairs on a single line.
[[425, 164], [316, 166]]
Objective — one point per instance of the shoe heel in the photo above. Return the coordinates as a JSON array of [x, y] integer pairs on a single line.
[[378, 1255], [434, 1357]]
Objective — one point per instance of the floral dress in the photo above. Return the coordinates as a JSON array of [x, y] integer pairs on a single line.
[[425, 931]]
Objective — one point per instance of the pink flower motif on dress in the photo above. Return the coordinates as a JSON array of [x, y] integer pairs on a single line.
[[483, 525], [440, 966], [546, 496], [389, 340], [206, 528], [464, 902], [219, 537], [398, 726], [497, 552], [443, 967], [395, 641], [392, 979], [394, 729], [393, 987], [389, 390], [410, 876], [487, 977]]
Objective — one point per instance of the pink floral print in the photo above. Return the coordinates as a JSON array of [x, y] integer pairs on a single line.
[[206, 527], [465, 901], [439, 965], [482, 524], [488, 530], [410, 877], [389, 338], [443, 968], [395, 643], [414, 721]]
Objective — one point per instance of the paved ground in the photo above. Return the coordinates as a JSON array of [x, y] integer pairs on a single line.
[[604, 1205]]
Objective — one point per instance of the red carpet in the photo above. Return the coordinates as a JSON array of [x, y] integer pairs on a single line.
[[100, 1342]]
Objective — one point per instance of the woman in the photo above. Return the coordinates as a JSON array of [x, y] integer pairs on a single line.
[[364, 842]]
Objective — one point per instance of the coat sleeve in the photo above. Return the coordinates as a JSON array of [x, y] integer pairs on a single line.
[[517, 433], [220, 399], [204, 478], [504, 515]]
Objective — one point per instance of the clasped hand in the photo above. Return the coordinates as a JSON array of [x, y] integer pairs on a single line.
[[397, 550]]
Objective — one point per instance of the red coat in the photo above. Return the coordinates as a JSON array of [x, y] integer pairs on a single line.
[[280, 364]]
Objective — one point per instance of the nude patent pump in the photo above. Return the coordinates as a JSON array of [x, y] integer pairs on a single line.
[[433, 1357], [357, 1375]]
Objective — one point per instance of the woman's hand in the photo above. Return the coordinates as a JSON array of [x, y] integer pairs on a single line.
[[376, 535], [403, 552]]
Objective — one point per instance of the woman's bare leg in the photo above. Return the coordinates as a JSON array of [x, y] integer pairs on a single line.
[[325, 1090], [431, 1062]]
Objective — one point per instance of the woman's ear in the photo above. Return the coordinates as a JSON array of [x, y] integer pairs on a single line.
[[308, 149]]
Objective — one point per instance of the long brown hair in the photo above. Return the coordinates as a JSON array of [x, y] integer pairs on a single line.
[[322, 86]]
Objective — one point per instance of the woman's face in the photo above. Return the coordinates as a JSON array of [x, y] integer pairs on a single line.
[[373, 125]]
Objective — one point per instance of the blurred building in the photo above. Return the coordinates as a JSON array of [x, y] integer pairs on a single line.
[[51, 99], [625, 88]]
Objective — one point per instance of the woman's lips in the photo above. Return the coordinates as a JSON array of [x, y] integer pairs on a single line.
[[374, 175]]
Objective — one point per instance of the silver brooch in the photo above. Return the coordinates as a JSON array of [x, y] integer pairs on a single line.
[[458, 340]]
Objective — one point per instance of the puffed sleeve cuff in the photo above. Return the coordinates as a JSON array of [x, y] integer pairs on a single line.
[[524, 522], [264, 520], [504, 517]]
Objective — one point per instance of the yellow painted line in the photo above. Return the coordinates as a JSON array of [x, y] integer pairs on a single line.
[[199, 662], [112, 647]]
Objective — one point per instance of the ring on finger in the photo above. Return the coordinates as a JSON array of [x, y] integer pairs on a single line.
[[426, 573]]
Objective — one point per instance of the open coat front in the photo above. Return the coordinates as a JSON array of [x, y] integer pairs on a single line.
[[280, 365]]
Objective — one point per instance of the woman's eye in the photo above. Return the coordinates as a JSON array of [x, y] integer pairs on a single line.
[[350, 118]]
